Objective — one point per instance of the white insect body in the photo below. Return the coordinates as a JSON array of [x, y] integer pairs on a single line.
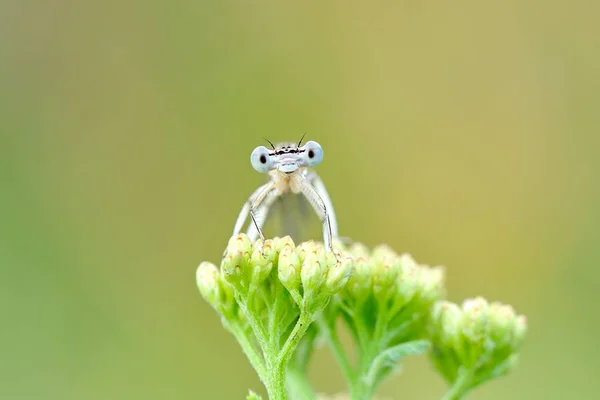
[[288, 166]]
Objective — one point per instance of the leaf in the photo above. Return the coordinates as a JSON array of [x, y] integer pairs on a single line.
[[390, 358], [253, 396]]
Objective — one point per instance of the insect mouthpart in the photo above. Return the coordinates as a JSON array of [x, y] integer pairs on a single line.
[[288, 168]]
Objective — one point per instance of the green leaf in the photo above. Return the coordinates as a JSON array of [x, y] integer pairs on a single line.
[[253, 396], [390, 358]]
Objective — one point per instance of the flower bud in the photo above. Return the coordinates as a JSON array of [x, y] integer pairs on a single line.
[[383, 252], [359, 250], [314, 267], [304, 248], [240, 243], [289, 268], [280, 243], [447, 318], [520, 330], [502, 323], [235, 269], [207, 279], [385, 272], [407, 282], [432, 284], [339, 274], [234, 265], [361, 283], [475, 319], [262, 261]]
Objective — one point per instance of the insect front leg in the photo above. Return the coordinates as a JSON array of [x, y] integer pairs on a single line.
[[320, 208], [241, 219], [259, 215], [319, 186]]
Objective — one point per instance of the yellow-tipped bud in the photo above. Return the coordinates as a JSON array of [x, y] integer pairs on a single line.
[[314, 268], [207, 279], [339, 274], [289, 268]]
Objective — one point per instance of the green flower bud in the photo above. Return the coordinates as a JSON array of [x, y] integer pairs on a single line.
[[520, 331], [280, 243], [359, 250], [217, 292], [314, 268], [262, 260], [385, 273], [239, 243], [289, 268], [207, 279], [383, 252], [475, 319], [408, 280], [432, 284], [235, 269], [447, 318], [361, 283], [304, 248], [234, 266], [339, 274], [502, 323]]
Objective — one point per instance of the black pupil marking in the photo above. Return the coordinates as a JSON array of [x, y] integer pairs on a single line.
[[263, 159], [311, 154]]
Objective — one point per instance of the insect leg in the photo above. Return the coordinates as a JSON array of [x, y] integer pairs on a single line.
[[246, 209], [320, 208], [322, 192], [268, 189], [260, 215]]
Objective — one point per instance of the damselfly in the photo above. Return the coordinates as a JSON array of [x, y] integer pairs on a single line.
[[288, 166]]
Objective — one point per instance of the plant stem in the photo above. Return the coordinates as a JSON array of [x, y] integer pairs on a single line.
[[249, 349], [257, 326], [277, 366], [298, 385], [330, 334], [369, 345], [461, 385]]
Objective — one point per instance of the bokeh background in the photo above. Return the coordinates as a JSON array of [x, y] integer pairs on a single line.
[[465, 133]]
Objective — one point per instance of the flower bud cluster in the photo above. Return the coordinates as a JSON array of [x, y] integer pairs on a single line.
[[313, 274], [478, 337], [393, 287], [309, 272]]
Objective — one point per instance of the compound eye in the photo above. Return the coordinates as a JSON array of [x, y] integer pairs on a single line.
[[260, 159], [313, 153]]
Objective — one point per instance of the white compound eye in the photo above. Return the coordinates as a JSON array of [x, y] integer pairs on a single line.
[[313, 153], [260, 159]]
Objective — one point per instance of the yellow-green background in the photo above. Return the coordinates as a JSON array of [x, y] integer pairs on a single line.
[[464, 132]]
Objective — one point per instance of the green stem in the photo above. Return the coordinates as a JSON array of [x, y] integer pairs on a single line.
[[250, 351], [369, 350], [277, 366], [330, 334], [461, 385], [298, 385], [257, 327], [275, 317], [292, 341]]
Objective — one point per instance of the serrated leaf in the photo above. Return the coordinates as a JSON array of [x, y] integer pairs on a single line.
[[390, 358]]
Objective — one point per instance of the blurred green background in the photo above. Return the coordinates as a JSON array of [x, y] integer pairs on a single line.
[[465, 133]]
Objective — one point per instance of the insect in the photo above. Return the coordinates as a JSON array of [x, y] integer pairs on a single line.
[[288, 166]]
